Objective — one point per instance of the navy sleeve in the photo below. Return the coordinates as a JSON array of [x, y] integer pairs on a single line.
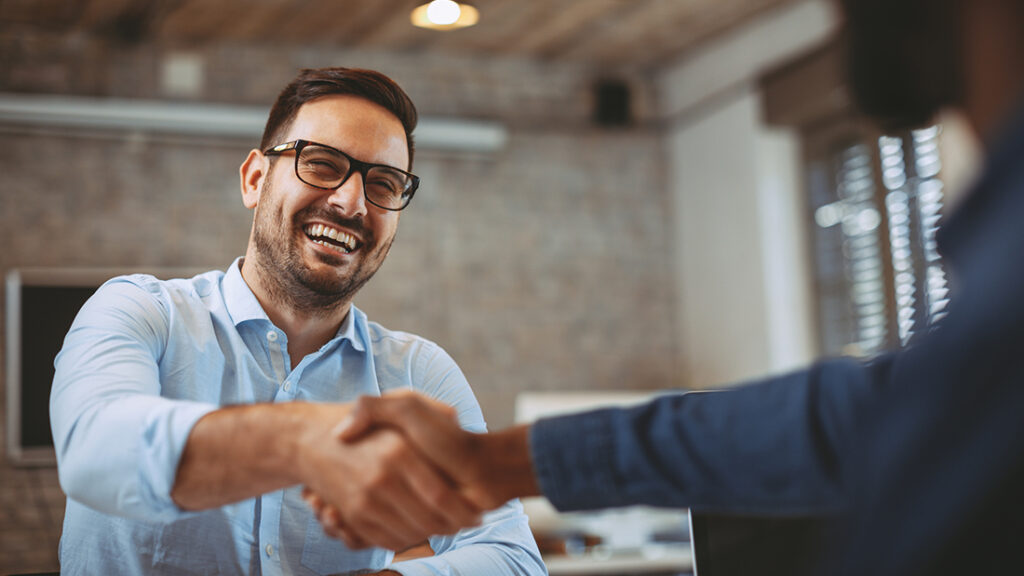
[[774, 446]]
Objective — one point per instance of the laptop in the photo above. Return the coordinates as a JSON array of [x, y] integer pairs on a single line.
[[733, 545]]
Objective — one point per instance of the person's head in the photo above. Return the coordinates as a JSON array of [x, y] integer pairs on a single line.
[[905, 58], [336, 143], [909, 59]]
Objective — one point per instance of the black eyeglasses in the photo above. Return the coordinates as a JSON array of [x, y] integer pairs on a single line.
[[328, 168]]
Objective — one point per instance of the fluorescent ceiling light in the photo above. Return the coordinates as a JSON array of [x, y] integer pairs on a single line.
[[192, 118]]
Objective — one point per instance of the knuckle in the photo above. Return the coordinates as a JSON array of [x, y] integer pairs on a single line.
[[331, 531], [364, 403], [332, 516], [404, 403], [394, 450], [437, 496], [381, 480], [352, 542], [359, 506]]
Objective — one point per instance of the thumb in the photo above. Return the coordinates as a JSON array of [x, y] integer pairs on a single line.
[[358, 422], [430, 426]]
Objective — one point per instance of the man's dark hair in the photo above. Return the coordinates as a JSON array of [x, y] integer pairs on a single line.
[[905, 58], [313, 83]]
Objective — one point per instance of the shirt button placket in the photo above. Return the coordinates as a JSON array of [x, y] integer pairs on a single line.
[[277, 358]]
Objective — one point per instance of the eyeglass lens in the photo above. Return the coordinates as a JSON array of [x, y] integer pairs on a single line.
[[326, 168]]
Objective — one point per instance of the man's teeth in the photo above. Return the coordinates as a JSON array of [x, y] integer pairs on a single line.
[[318, 231]]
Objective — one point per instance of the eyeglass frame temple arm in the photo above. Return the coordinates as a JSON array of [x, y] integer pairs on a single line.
[[280, 148]]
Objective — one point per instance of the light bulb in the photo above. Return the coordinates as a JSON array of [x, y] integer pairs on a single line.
[[443, 12]]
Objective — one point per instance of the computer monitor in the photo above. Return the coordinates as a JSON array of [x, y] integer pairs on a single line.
[[739, 545]]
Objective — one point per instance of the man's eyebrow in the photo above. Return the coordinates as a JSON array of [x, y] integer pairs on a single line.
[[340, 149]]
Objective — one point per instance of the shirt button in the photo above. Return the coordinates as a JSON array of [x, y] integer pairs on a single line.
[[270, 550], [272, 336], [287, 385]]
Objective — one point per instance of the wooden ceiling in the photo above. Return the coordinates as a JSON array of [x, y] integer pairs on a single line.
[[610, 33]]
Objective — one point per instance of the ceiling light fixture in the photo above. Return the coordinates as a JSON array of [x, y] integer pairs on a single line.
[[444, 15]]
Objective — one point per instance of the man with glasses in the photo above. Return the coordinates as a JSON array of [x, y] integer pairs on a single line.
[[188, 415]]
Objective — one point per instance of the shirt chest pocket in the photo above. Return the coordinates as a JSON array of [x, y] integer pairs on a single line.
[[325, 555]]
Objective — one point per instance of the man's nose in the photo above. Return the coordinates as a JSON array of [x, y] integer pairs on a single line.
[[350, 198]]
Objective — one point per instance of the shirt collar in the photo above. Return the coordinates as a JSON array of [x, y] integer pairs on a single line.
[[239, 300], [243, 306], [353, 328]]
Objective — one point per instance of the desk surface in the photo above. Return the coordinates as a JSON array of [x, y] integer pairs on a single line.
[[652, 560]]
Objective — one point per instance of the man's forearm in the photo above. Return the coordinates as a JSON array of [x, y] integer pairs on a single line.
[[380, 485], [506, 464], [240, 452]]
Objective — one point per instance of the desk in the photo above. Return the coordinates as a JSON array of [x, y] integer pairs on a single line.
[[655, 560]]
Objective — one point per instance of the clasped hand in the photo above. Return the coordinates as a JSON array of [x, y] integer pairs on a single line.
[[398, 469]]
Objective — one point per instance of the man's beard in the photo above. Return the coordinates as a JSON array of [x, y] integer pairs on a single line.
[[288, 280], [905, 59]]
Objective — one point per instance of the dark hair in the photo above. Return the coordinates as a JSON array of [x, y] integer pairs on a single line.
[[904, 58], [312, 83]]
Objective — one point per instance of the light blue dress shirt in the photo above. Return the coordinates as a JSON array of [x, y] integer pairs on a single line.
[[145, 359]]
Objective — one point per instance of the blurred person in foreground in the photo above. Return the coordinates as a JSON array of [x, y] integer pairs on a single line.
[[919, 453], [188, 414]]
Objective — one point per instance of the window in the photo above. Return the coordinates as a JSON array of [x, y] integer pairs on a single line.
[[876, 203]]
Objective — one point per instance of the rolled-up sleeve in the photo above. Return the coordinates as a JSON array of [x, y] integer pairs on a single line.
[[501, 545], [118, 442]]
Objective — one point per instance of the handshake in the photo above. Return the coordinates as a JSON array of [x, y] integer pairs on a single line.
[[409, 471]]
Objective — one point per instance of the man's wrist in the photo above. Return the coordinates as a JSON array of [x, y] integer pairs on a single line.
[[506, 463], [238, 452], [314, 426]]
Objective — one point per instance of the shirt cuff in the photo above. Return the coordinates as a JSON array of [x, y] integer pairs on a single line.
[[412, 568], [164, 438], [573, 459]]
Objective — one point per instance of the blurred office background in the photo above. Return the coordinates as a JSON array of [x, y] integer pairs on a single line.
[[618, 195]]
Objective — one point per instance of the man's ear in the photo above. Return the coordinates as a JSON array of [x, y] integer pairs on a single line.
[[253, 172]]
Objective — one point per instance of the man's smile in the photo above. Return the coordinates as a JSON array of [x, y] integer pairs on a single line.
[[332, 238]]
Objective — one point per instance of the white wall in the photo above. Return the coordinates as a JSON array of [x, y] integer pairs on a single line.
[[785, 254], [741, 258]]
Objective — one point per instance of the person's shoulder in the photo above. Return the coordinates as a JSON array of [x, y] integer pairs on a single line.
[[398, 347], [407, 360], [382, 336], [170, 291]]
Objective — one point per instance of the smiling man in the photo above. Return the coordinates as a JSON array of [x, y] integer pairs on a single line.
[[189, 414]]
